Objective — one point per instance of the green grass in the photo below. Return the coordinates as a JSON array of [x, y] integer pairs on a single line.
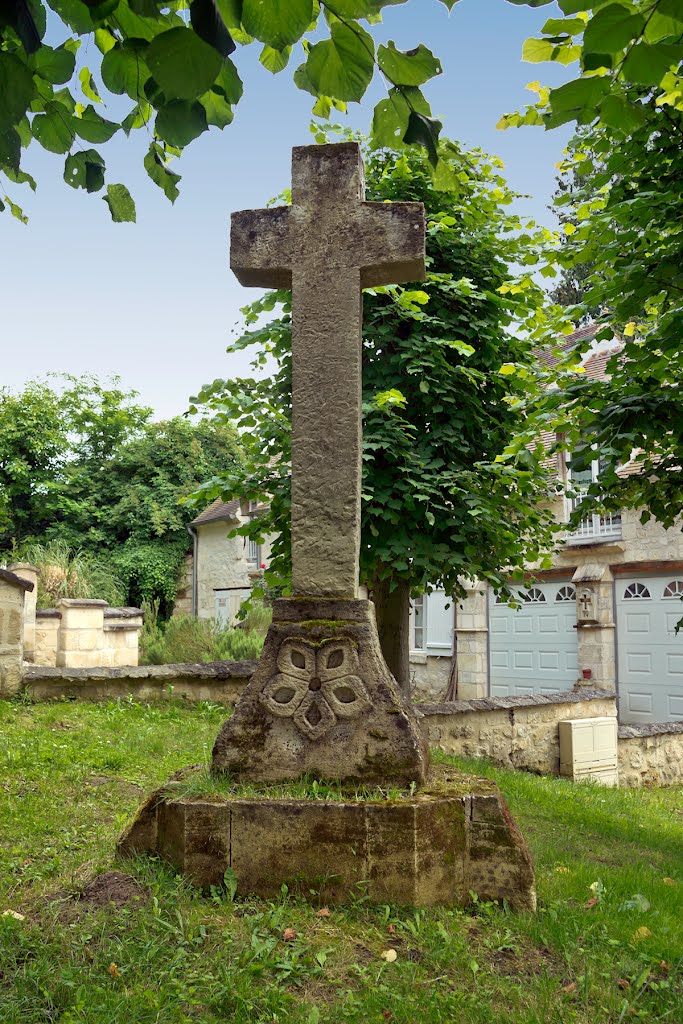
[[71, 774]]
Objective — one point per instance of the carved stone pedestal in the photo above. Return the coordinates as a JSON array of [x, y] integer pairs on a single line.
[[437, 846], [322, 701]]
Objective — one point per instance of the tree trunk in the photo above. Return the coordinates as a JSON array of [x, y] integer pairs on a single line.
[[392, 608]]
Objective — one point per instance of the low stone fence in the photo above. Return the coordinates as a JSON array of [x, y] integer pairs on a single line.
[[82, 633], [220, 682], [651, 754], [518, 732]]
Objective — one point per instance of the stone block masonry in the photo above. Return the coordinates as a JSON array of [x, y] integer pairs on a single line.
[[13, 590], [651, 755]]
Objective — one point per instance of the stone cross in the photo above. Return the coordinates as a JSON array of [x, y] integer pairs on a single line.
[[326, 246]]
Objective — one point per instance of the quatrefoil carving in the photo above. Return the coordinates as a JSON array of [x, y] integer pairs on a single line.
[[316, 686]]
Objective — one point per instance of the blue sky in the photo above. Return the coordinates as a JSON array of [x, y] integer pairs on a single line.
[[155, 302]]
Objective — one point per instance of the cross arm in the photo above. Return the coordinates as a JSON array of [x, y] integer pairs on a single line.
[[260, 247], [393, 243]]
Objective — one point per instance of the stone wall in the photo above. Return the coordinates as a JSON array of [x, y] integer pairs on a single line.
[[651, 754], [517, 732], [12, 594], [220, 682], [87, 634], [183, 600]]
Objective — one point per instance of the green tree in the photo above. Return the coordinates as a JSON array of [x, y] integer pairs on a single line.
[[627, 225], [33, 439], [439, 401]]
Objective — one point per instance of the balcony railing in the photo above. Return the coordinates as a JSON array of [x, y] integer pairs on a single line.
[[594, 525]]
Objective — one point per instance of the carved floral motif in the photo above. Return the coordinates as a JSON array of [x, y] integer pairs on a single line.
[[316, 686]]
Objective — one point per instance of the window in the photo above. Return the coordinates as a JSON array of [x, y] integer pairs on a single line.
[[636, 592], [533, 596], [595, 524], [419, 623], [253, 551], [674, 589], [566, 594]]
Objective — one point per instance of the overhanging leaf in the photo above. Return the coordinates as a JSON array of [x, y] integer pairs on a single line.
[[160, 174], [85, 170], [647, 65], [275, 60], [120, 203], [55, 66], [391, 115], [182, 64], [124, 69], [278, 23], [16, 89], [342, 66], [208, 23], [180, 122], [218, 110], [611, 29], [93, 128], [229, 82], [424, 131], [412, 67], [53, 130]]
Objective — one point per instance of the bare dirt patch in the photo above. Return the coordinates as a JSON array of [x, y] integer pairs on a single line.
[[110, 889]]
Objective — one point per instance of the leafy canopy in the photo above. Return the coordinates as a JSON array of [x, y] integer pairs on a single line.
[[623, 222], [438, 395], [173, 66]]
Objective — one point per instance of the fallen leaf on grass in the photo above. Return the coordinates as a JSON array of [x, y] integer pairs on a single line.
[[664, 965], [391, 929], [389, 955], [593, 902], [640, 934], [323, 912], [623, 983], [14, 914], [562, 870], [289, 935], [571, 987], [113, 970], [387, 1014], [669, 881]]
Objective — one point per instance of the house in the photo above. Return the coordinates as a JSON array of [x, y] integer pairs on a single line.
[[221, 570], [604, 615]]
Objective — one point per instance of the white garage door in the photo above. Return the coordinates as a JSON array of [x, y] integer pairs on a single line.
[[533, 648], [649, 653]]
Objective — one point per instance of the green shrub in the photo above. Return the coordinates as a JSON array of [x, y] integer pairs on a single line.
[[187, 639], [150, 572]]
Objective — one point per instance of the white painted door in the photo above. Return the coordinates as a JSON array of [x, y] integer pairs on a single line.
[[533, 648], [649, 653]]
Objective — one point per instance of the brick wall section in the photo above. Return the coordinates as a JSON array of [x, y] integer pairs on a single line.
[[651, 754], [517, 732]]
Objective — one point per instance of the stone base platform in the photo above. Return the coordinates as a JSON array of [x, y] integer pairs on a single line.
[[453, 837]]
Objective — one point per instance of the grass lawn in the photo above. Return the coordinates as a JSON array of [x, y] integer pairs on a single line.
[[605, 946]]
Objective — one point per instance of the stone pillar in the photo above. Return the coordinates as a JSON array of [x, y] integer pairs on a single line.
[[28, 572], [12, 593], [595, 626], [48, 621], [122, 628], [471, 640], [81, 633]]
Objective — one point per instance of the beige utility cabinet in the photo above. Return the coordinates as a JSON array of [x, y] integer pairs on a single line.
[[588, 750]]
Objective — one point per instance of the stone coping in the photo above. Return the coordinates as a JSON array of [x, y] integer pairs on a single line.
[[208, 670], [82, 602], [461, 707], [48, 613], [631, 732], [14, 580], [122, 613]]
